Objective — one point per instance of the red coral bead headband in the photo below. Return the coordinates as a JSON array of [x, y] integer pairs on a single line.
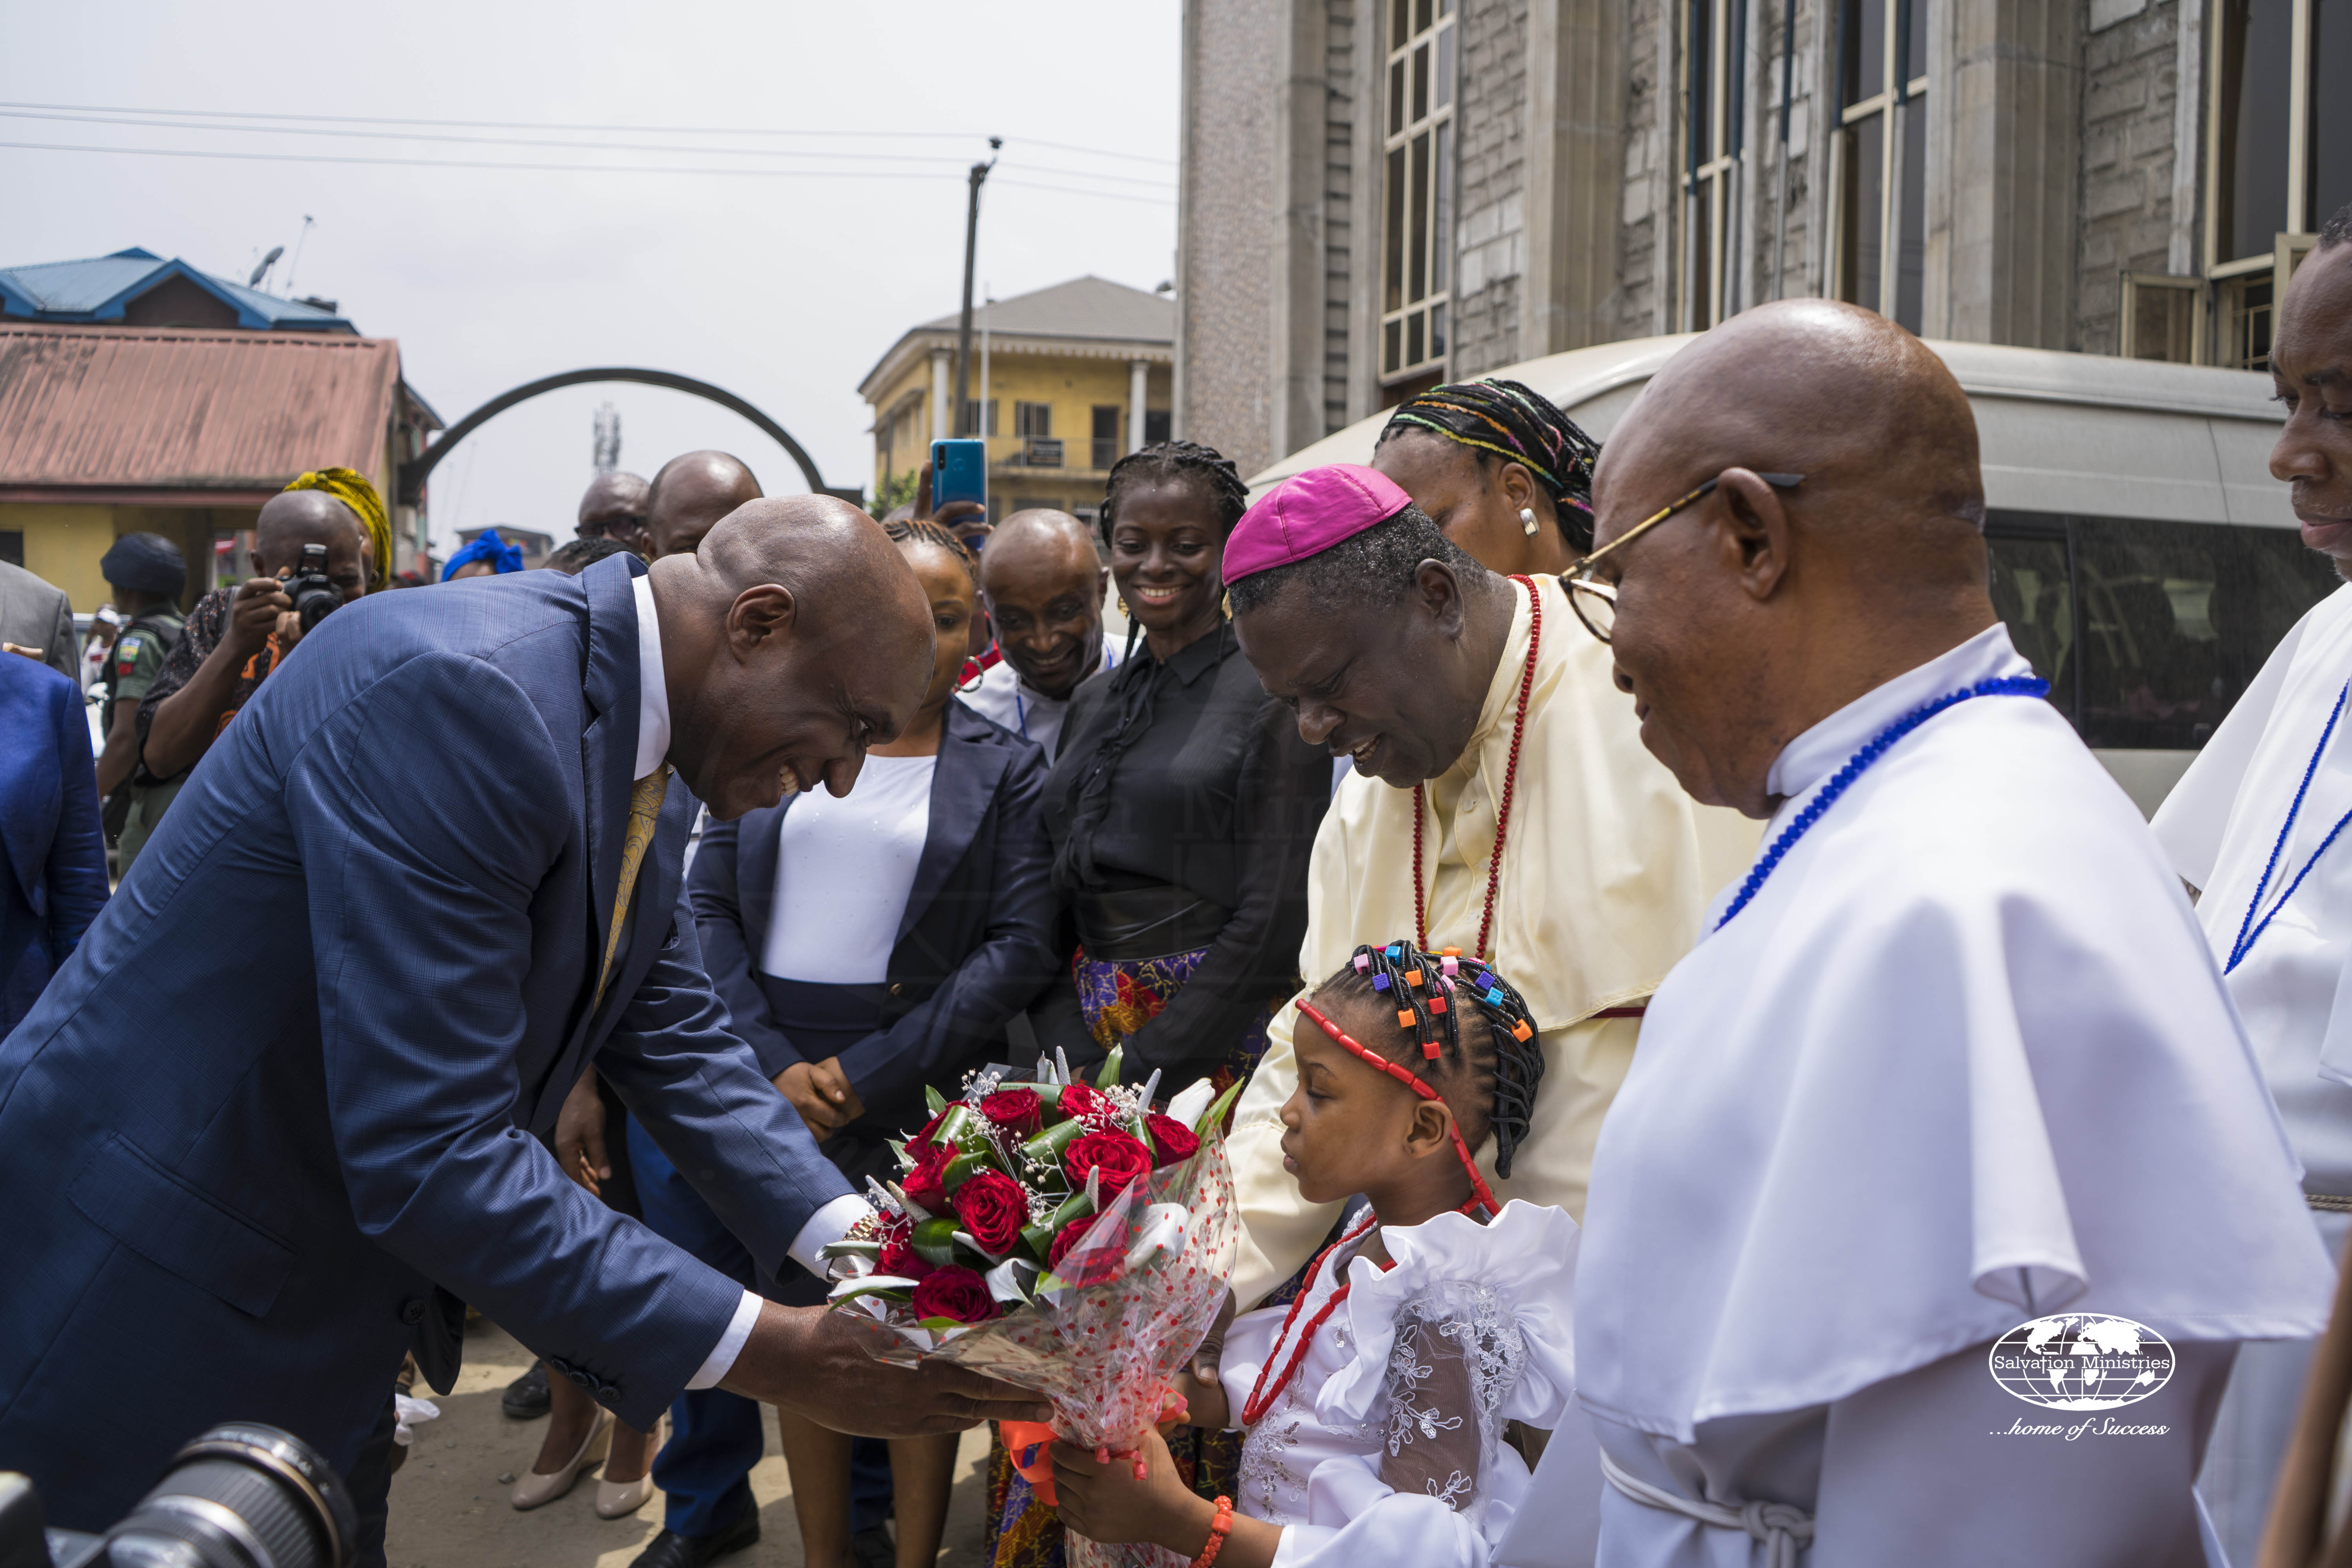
[[1484, 1196]]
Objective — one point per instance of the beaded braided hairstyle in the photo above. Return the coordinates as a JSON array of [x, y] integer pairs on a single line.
[[1509, 422], [1205, 466], [1429, 994]]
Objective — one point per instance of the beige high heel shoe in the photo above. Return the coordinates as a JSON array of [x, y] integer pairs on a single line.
[[532, 1489], [618, 1499]]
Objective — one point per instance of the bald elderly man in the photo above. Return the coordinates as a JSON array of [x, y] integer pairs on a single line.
[[614, 507], [1044, 586], [1954, 1058], [690, 494], [428, 880]]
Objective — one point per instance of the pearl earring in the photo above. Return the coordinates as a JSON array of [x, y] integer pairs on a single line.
[[1527, 521]]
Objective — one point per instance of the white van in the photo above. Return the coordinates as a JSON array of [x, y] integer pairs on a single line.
[[2128, 499]]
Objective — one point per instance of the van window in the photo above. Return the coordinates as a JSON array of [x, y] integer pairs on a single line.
[[2174, 618]]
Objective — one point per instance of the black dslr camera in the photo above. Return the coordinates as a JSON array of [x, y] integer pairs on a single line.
[[314, 593], [241, 1496]]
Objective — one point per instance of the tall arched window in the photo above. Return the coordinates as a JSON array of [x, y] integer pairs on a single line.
[[1881, 152], [2278, 155], [1417, 241]]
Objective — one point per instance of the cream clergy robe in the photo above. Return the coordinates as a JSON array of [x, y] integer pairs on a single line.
[[2220, 826], [1964, 1061], [1607, 868]]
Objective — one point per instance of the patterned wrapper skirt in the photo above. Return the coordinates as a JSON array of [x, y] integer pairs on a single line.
[[1119, 995]]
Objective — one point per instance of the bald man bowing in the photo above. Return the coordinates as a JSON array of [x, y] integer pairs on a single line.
[[429, 876], [1954, 1056]]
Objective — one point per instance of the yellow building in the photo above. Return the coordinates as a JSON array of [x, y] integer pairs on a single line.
[[1064, 383]]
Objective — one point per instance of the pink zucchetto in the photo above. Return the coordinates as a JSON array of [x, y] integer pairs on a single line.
[[1308, 513]]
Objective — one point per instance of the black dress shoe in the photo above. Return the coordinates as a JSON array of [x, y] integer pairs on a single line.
[[671, 1549], [525, 1397], [874, 1549]]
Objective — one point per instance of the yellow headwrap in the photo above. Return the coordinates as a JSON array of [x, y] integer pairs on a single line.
[[352, 487]]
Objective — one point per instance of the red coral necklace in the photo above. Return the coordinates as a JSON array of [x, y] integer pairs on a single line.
[[1503, 805]]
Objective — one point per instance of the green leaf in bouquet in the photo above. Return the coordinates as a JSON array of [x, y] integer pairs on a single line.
[[962, 1128], [934, 1242], [934, 1099], [898, 1147], [889, 1285], [1215, 1115], [966, 1165], [1040, 1237], [1045, 1149], [1049, 1095], [1109, 1074]]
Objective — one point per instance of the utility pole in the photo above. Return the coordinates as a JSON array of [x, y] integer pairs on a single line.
[[963, 332]]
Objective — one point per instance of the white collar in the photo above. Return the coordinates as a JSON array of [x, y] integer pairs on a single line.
[[653, 696], [1820, 750], [1105, 658]]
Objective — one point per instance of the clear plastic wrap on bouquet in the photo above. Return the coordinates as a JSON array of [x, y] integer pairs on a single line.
[[1102, 1334]]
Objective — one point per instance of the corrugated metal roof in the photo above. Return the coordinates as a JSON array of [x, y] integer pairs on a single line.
[[107, 407], [98, 288]]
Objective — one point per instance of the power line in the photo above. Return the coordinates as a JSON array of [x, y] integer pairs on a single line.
[[562, 168], [560, 125], [939, 162]]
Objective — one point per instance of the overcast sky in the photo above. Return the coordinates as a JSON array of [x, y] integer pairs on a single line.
[[783, 288]]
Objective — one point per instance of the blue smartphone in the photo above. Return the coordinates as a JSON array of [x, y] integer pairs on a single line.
[[960, 472]]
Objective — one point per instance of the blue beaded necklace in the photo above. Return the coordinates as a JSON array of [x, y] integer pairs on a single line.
[[1840, 781], [2249, 932]]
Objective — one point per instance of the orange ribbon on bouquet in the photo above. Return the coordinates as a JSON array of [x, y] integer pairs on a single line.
[[1029, 1444]]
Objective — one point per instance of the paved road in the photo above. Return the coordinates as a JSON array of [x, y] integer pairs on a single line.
[[448, 1509]]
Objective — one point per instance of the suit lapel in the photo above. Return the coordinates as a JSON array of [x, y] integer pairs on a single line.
[[962, 785], [608, 749]]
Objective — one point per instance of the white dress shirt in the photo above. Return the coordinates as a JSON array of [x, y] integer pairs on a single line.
[[832, 1222], [1004, 696]]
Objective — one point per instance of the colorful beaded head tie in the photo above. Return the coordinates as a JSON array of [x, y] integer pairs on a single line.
[[1483, 1197]]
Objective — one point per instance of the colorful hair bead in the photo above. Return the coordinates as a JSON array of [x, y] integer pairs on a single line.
[[1494, 997], [1519, 1031], [1396, 950], [1449, 953], [1404, 1018], [1380, 981], [1363, 962], [1450, 966], [1429, 1050], [1412, 977], [1437, 1004]]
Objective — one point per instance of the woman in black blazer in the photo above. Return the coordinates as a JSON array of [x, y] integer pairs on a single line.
[[853, 1020]]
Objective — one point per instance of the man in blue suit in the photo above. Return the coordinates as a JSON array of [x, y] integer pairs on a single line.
[[422, 878]]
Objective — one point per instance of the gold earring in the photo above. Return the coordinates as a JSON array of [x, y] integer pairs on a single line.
[[1228, 604]]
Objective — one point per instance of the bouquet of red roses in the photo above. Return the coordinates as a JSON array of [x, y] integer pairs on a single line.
[[1062, 1236]]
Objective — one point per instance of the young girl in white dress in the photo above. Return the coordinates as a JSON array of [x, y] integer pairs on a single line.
[[1375, 1404]]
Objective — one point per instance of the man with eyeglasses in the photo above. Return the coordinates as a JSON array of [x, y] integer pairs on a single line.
[[1952, 1059], [614, 508], [1500, 804]]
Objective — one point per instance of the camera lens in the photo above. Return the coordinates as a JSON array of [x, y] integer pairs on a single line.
[[314, 605], [241, 1496]]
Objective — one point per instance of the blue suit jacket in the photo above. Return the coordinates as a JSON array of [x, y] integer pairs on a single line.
[[55, 870], [975, 945], [292, 1078]]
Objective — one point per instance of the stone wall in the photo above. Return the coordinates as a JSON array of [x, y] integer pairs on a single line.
[[1225, 305], [2128, 106], [1799, 265], [1490, 230], [1338, 225], [1649, 144]]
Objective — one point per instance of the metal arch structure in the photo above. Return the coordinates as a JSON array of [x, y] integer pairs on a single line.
[[413, 471]]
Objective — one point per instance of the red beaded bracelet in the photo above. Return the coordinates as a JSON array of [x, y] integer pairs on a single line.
[[1219, 1527]]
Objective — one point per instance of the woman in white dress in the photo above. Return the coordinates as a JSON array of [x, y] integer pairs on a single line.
[[1375, 1405]]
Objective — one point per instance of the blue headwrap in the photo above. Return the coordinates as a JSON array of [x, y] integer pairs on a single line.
[[488, 547]]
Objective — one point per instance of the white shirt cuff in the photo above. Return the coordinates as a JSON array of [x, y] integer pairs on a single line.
[[826, 1227]]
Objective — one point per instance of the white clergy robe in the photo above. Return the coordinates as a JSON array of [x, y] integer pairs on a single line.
[[1964, 1061], [2221, 826], [1607, 868]]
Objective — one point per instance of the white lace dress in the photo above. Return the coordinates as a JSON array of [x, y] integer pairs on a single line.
[[1387, 1445]]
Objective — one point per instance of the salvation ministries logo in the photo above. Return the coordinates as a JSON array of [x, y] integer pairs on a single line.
[[2081, 1361]]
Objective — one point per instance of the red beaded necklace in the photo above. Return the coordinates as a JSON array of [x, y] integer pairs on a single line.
[[1261, 1398], [1502, 806]]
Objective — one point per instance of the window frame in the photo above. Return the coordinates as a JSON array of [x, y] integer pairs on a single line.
[[1896, 99], [2229, 279], [1711, 171], [1420, 152]]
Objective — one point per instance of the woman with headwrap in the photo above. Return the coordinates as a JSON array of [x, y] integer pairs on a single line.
[[1499, 469], [352, 487], [486, 554]]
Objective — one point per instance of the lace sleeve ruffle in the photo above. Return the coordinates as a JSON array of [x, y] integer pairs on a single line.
[[1499, 1295]]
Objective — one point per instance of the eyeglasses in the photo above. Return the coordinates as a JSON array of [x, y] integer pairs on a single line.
[[1594, 601]]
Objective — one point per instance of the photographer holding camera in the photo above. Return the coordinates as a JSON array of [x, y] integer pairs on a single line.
[[311, 554]]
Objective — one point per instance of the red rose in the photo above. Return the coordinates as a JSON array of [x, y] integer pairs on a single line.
[[1170, 1140], [992, 1209], [1121, 1157], [1067, 1239], [1078, 1102], [901, 1258], [927, 1182], [1018, 1112], [955, 1293], [1100, 1267]]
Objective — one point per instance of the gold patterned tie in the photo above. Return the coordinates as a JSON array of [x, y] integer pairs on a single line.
[[645, 815]]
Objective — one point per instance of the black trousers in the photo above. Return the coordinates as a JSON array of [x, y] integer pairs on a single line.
[[370, 1482]]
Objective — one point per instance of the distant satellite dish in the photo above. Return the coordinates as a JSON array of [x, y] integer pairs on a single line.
[[268, 262]]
